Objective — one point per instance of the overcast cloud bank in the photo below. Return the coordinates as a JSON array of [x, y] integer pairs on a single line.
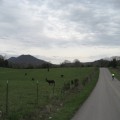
[[63, 28]]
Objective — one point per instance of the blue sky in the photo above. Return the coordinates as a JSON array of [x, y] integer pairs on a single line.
[[56, 30]]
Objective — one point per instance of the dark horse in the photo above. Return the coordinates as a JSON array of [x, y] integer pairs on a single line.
[[51, 82]]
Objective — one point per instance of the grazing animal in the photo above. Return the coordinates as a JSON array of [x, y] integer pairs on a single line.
[[62, 76], [51, 82], [33, 79], [25, 74], [72, 82]]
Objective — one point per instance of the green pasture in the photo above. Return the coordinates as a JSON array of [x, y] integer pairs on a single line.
[[22, 90]]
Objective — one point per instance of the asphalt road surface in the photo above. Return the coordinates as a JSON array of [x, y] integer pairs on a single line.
[[104, 101]]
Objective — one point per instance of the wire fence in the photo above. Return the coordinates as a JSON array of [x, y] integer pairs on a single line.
[[35, 99]]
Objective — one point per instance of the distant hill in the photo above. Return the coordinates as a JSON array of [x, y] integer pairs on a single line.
[[26, 60]]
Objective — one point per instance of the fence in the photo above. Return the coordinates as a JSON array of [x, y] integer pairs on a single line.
[[36, 99]]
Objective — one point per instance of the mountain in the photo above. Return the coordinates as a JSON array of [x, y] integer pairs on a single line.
[[26, 61]]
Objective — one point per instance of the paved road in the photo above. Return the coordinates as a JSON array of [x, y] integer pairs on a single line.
[[104, 101]]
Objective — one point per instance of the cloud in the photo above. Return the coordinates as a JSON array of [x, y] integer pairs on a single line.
[[43, 25]]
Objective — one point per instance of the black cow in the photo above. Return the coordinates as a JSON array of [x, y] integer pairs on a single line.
[[51, 82]]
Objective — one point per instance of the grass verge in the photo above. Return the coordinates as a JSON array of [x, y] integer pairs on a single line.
[[116, 72], [73, 102]]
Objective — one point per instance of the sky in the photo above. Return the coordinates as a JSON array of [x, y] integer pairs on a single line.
[[58, 30]]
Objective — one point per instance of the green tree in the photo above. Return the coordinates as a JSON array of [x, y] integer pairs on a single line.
[[113, 63], [3, 62], [77, 63]]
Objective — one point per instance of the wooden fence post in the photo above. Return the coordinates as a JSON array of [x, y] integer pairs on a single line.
[[7, 98], [53, 89], [37, 92]]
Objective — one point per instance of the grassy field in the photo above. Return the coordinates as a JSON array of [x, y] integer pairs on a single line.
[[74, 101], [22, 90]]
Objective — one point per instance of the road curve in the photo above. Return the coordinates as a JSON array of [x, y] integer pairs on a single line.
[[104, 101]]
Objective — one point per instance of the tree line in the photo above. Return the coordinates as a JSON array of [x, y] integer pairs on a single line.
[[3, 62], [76, 63]]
